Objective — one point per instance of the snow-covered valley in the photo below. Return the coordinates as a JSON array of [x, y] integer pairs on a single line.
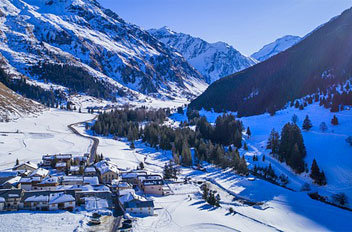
[[278, 209]]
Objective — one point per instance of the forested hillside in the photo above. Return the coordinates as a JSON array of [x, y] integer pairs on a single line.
[[321, 60]]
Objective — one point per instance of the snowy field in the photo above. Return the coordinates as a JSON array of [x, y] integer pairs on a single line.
[[39, 221], [39, 135]]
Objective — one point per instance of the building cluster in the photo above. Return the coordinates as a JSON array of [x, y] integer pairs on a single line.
[[64, 182]]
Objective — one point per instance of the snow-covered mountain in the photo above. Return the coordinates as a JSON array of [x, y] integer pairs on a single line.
[[212, 60], [276, 47], [44, 39]]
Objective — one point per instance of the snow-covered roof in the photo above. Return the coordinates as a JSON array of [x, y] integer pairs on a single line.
[[26, 180], [95, 188], [50, 180], [106, 166], [126, 192], [2, 200], [5, 174], [132, 175], [61, 198], [89, 169], [123, 185], [60, 165], [72, 179], [40, 172], [93, 203], [35, 198], [63, 156], [74, 168], [14, 180], [91, 180], [29, 164]]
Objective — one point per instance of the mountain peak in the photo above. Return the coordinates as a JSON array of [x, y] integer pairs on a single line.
[[279, 45], [212, 60]]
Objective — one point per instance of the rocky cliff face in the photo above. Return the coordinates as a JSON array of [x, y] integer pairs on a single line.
[[212, 60]]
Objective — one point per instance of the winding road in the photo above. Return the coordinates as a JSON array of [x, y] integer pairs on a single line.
[[94, 147]]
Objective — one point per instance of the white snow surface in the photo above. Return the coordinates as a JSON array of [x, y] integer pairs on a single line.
[[276, 47]]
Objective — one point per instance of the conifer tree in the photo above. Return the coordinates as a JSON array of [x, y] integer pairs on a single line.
[[334, 121], [273, 141], [294, 118], [307, 124], [17, 162], [248, 132]]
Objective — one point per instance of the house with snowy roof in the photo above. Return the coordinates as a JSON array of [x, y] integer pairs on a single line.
[[40, 172], [107, 171], [90, 171], [90, 180], [62, 201], [61, 166], [48, 200], [74, 170], [48, 183], [27, 166], [72, 180], [139, 207], [12, 198]]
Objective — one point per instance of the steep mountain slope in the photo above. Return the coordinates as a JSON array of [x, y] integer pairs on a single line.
[[13, 105], [212, 60], [320, 60], [88, 49], [276, 47]]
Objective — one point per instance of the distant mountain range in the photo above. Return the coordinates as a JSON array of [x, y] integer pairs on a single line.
[[84, 48], [320, 60], [212, 60], [276, 47]]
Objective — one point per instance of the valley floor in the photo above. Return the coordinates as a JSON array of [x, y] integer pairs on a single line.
[[277, 209]]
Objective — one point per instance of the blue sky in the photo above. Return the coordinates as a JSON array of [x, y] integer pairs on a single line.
[[245, 24]]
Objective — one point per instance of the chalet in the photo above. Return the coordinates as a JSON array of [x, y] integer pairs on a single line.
[[36, 202], [139, 207], [74, 170], [141, 178], [61, 166], [154, 187], [26, 183], [132, 177], [7, 175], [28, 166], [62, 201], [49, 160], [72, 180], [90, 171], [107, 171], [97, 191], [40, 172], [48, 200], [48, 183], [12, 198], [63, 158]]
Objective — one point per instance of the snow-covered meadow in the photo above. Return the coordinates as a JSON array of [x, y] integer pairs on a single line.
[[29, 138]]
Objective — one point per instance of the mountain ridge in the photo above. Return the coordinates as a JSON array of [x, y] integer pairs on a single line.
[[212, 60]]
